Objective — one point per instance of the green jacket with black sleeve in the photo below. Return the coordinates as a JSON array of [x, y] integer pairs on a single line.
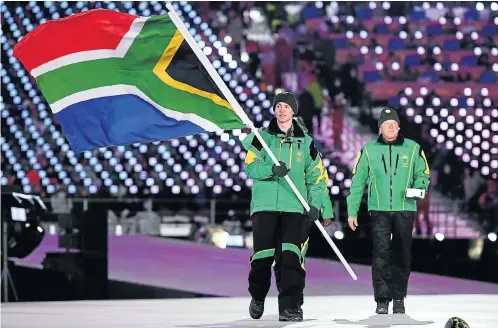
[[297, 150], [389, 170]]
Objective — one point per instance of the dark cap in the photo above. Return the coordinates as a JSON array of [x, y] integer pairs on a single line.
[[388, 114], [287, 98]]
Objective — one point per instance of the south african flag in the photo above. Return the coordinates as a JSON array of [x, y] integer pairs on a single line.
[[112, 78]]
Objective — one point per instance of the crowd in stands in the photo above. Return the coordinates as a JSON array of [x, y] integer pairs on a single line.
[[461, 147], [295, 58]]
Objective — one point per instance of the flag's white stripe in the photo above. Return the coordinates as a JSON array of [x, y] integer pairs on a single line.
[[82, 56], [123, 89]]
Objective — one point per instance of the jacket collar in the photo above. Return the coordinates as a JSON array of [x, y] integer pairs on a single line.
[[398, 142], [295, 130]]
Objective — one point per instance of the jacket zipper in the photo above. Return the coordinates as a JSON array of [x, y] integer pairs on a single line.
[[290, 156], [384, 161], [396, 167], [390, 175]]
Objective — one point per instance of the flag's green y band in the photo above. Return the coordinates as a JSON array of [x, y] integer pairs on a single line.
[[136, 68]]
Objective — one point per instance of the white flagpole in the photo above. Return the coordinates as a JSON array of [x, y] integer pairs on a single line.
[[245, 119]]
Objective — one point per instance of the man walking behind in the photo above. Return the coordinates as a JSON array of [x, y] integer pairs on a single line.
[[398, 174]]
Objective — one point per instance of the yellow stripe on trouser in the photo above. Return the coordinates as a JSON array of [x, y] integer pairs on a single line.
[[300, 253], [303, 252]]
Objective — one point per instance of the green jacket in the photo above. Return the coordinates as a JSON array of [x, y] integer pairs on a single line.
[[326, 208], [307, 172], [389, 170]]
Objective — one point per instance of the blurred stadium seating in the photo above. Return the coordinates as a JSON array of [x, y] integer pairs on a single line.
[[35, 147], [437, 65]]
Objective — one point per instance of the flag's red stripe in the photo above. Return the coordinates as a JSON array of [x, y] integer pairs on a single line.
[[90, 30]]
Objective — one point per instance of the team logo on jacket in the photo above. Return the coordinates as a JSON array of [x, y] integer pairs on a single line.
[[404, 160], [299, 156]]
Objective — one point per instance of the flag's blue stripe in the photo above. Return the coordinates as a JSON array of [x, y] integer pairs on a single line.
[[118, 120]]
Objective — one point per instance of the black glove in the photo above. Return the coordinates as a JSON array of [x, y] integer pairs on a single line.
[[280, 171], [313, 214]]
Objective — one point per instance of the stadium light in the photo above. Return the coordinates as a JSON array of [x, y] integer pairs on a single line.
[[439, 236], [339, 234]]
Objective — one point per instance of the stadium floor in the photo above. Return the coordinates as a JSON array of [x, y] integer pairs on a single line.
[[478, 311], [208, 270]]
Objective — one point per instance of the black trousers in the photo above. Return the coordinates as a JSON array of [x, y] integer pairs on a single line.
[[391, 259], [280, 237], [277, 269]]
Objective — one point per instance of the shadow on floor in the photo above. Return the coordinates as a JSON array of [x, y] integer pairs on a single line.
[[266, 321], [385, 321]]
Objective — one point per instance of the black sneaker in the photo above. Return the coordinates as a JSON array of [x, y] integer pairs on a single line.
[[398, 306], [299, 309], [256, 309], [291, 315], [382, 307]]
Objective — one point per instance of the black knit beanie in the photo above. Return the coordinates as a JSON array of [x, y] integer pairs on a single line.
[[287, 98], [388, 114]]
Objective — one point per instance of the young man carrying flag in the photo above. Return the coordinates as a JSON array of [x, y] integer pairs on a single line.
[[279, 219], [144, 79], [327, 214]]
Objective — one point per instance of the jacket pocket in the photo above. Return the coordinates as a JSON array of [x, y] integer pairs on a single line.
[[396, 167], [384, 162]]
